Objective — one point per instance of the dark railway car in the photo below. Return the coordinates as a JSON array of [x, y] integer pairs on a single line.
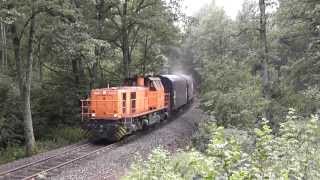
[[190, 87], [176, 86]]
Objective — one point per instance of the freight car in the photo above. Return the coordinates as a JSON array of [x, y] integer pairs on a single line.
[[112, 113]]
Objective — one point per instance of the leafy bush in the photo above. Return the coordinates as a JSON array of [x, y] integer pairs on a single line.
[[54, 138], [156, 167], [11, 130], [45, 115], [202, 137], [11, 153], [232, 94], [292, 154], [65, 135]]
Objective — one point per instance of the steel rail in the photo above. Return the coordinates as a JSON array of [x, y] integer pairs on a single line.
[[44, 159], [73, 160]]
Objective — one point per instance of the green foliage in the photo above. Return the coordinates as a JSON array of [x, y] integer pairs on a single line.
[[11, 153], [202, 136], [8, 16], [54, 138], [292, 154], [157, 167], [225, 54], [232, 94], [66, 135], [11, 130], [230, 88]]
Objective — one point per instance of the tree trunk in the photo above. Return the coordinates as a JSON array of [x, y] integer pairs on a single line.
[[24, 79], [3, 47], [125, 42], [264, 55], [100, 18], [75, 71], [145, 55], [76, 3], [16, 46], [100, 4], [126, 56], [28, 126], [93, 73], [2, 53], [40, 61]]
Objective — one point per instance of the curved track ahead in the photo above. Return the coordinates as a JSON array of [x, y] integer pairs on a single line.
[[46, 166]]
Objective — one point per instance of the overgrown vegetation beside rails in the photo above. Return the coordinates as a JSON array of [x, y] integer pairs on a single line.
[[56, 116], [291, 154], [54, 138]]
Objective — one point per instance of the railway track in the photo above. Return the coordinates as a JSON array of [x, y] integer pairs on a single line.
[[46, 166]]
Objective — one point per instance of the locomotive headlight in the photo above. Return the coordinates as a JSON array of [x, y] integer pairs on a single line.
[[115, 115], [93, 114]]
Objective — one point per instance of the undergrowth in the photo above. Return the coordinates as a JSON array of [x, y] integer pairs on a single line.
[[293, 153], [55, 138]]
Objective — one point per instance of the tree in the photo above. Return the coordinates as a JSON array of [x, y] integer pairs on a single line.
[[24, 79], [264, 55], [128, 19], [7, 17], [4, 60], [25, 68], [299, 40]]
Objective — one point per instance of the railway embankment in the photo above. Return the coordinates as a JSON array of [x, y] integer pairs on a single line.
[[113, 163]]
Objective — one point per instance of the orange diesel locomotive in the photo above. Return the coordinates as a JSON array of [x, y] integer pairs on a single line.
[[112, 113]]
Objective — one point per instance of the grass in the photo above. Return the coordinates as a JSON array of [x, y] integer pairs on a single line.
[[56, 138]]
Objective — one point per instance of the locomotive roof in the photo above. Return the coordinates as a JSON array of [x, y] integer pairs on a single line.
[[187, 77], [121, 88], [173, 77]]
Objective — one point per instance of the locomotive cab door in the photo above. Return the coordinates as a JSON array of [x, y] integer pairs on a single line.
[[156, 94]]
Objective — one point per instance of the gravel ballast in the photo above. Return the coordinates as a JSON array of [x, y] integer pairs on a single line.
[[113, 164]]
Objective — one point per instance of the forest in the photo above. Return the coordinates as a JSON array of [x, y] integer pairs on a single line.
[[257, 79]]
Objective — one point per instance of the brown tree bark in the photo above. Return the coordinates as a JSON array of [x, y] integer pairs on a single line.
[[100, 5], [1, 51], [75, 71], [24, 80], [28, 125], [145, 56], [264, 56], [4, 62], [40, 63], [125, 41]]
